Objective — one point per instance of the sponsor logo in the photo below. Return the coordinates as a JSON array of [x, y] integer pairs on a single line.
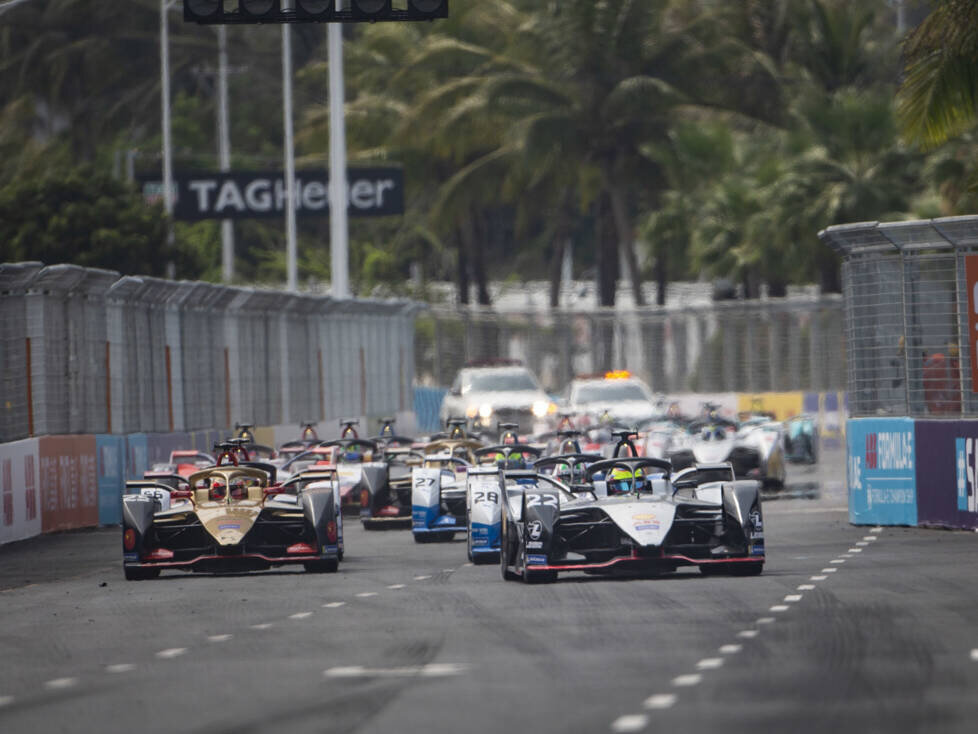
[[889, 451], [646, 521], [534, 544], [536, 560], [966, 453], [229, 526], [755, 520], [535, 529]]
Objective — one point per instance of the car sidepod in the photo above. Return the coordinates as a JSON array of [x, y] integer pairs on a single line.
[[321, 512], [484, 493], [138, 512], [429, 520], [527, 535]]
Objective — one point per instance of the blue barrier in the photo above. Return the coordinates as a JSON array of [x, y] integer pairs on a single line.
[[427, 403], [882, 471], [110, 453]]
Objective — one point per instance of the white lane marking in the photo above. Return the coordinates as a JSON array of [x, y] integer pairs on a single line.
[[709, 663], [119, 668], [870, 538], [731, 649], [447, 570], [6, 701], [876, 530], [421, 578], [690, 679], [779, 608], [765, 620], [171, 652], [262, 626], [365, 594], [467, 565], [218, 638], [59, 684], [300, 615], [396, 586], [747, 634], [806, 587], [333, 604], [816, 578], [861, 543], [838, 560], [829, 570], [431, 670], [792, 598], [661, 701], [630, 722], [855, 550], [974, 654]]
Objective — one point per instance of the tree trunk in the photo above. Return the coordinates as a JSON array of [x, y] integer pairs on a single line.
[[626, 239], [556, 269], [607, 254], [478, 243], [463, 268], [661, 276]]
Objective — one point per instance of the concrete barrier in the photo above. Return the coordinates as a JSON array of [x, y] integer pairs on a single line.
[[68, 481]]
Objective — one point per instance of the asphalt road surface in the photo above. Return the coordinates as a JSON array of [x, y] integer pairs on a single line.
[[849, 629]]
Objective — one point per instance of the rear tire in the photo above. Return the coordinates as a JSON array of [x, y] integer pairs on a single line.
[[327, 565], [422, 537], [753, 568]]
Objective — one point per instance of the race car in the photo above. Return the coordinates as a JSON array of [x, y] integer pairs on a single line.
[[389, 505], [185, 462], [438, 504], [633, 519], [754, 449], [488, 484], [482, 496], [359, 470], [229, 518], [801, 439]]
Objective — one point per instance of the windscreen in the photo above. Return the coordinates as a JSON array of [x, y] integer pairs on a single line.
[[499, 382], [608, 392]]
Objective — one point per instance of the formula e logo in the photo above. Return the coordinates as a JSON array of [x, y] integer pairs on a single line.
[[967, 474], [535, 529], [872, 457]]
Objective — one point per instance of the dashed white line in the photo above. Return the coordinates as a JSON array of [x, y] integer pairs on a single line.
[[829, 570], [171, 652], [6, 701], [218, 638], [396, 586], [816, 578], [435, 670], [779, 608], [709, 663], [838, 560], [792, 598], [61, 683], [747, 634], [431, 670], [974, 654], [861, 543], [630, 722], [119, 668], [855, 550], [690, 679], [300, 615], [333, 604], [661, 701], [447, 570], [262, 626], [765, 620], [806, 587], [365, 594], [421, 578], [467, 565], [870, 538], [876, 530], [731, 649]]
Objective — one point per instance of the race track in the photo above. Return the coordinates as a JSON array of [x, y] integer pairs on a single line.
[[849, 629]]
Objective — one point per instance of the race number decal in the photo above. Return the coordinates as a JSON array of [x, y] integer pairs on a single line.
[[540, 499], [160, 495]]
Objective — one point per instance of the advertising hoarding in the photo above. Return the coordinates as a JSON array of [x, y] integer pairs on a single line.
[[881, 471]]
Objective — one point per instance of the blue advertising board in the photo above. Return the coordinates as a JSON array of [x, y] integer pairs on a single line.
[[881, 471], [110, 454]]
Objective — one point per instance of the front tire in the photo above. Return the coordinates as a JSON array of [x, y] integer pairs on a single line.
[[754, 568], [140, 574], [327, 565]]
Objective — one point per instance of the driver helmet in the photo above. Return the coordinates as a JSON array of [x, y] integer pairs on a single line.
[[620, 480], [218, 490], [238, 489]]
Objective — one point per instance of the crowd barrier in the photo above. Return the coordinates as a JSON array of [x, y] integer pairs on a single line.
[[906, 471]]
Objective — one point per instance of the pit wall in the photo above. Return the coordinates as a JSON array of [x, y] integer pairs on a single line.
[[54, 483], [903, 471]]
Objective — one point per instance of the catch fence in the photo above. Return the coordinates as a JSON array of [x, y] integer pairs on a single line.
[[742, 346], [908, 287], [90, 351]]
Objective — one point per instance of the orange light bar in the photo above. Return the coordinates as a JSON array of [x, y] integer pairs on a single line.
[[617, 375]]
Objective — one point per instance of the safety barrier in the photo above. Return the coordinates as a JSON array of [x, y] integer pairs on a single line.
[[86, 351]]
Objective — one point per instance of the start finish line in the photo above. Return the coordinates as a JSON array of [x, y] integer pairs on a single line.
[[371, 192]]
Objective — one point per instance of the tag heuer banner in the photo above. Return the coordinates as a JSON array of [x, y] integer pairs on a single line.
[[371, 192]]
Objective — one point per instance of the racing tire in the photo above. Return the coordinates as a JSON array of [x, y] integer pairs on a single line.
[[714, 569], [531, 576], [484, 559], [327, 565], [422, 537], [140, 574], [504, 558], [754, 568]]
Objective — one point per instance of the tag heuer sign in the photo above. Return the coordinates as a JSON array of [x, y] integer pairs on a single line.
[[371, 192]]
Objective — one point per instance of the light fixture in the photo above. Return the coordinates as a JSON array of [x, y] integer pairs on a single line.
[[259, 9], [370, 9]]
